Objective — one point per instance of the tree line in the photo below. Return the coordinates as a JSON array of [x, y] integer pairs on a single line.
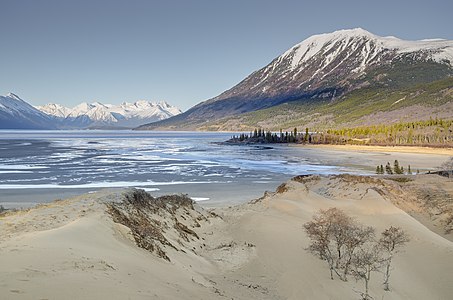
[[260, 135], [396, 169], [432, 132], [352, 249]]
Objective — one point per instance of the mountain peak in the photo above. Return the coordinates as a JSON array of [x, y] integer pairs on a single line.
[[54, 109], [325, 67], [13, 96], [348, 33], [323, 49], [97, 104], [330, 46], [83, 105], [18, 114], [98, 114]]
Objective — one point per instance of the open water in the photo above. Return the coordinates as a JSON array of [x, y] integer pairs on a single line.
[[40, 166]]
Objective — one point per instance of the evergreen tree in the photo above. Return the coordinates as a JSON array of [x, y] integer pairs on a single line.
[[382, 169], [409, 172], [378, 170], [306, 135], [388, 169], [397, 168]]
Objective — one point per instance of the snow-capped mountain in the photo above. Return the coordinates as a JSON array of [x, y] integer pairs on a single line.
[[335, 60], [326, 67], [15, 113], [97, 114], [55, 110], [366, 49]]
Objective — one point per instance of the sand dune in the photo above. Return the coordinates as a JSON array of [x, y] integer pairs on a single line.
[[73, 249]]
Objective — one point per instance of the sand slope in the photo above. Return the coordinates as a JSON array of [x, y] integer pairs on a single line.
[[72, 249], [422, 272], [80, 253]]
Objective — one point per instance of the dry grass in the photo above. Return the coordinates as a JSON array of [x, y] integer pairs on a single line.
[[151, 220]]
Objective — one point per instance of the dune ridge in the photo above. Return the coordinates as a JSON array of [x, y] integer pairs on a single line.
[[126, 244]]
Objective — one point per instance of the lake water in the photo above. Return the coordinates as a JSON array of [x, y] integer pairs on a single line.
[[40, 166]]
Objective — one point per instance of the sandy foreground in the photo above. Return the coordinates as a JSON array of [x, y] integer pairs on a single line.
[[74, 249]]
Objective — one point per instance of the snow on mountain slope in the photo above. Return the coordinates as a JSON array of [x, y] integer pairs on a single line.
[[322, 44], [81, 109], [12, 103], [336, 59], [325, 67], [145, 109], [124, 115], [16, 113], [54, 109]]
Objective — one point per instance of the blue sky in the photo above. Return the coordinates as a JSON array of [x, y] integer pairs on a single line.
[[180, 51]]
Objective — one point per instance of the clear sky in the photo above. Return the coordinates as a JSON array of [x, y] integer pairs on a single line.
[[180, 51]]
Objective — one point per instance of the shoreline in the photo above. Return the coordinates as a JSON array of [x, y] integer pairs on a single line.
[[398, 149]]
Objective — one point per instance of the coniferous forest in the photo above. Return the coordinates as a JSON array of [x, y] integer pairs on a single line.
[[432, 133]]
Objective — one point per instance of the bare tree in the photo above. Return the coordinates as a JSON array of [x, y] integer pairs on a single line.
[[447, 166], [366, 259], [334, 237], [319, 231], [350, 248], [357, 235], [391, 241], [340, 224]]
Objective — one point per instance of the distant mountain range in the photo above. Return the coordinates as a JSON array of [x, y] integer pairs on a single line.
[[344, 77], [15, 113], [96, 114]]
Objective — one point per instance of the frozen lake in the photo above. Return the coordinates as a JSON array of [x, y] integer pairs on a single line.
[[40, 166]]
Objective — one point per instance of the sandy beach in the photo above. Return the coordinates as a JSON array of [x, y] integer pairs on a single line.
[[80, 248], [398, 149], [421, 159]]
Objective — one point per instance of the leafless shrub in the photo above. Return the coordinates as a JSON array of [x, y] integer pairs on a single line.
[[350, 248], [334, 238], [391, 242], [366, 259], [447, 165], [356, 237]]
